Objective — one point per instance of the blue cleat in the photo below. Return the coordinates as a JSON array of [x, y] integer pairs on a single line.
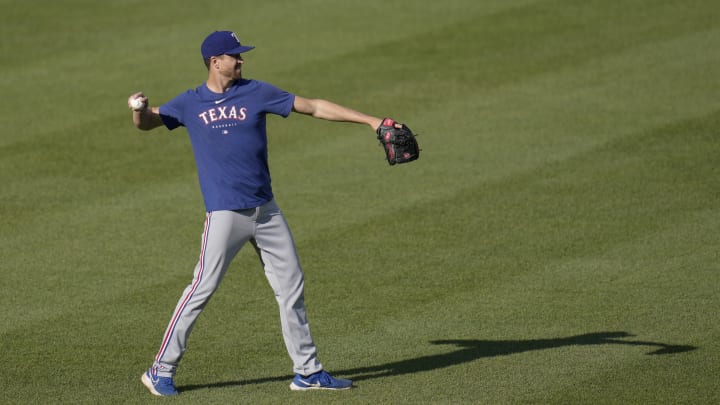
[[160, 386], [319, 381]]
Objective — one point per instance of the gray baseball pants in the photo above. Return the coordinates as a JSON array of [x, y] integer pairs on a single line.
[[225, 233]]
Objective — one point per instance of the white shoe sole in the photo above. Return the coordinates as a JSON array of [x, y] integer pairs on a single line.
[[147, 383], [294, 387]]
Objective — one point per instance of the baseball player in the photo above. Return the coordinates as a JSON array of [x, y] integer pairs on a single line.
[[225, 119]]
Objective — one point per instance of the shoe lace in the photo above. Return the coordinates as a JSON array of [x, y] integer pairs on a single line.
[[325, 378]]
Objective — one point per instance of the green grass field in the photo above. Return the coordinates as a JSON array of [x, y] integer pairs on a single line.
[[556, 243]]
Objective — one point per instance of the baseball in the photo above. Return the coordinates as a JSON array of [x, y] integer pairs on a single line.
[[137, 104]]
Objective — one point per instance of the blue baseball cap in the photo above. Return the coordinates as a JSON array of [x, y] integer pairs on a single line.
[[222, 43]]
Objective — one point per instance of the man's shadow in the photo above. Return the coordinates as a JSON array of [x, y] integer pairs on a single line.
[[468, 351]]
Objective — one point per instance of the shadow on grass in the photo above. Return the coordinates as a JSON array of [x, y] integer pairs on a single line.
[[468, 351]]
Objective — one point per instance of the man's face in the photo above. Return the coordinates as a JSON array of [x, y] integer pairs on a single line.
[[231, 65]]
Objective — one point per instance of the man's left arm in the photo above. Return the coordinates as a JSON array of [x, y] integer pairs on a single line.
[[327, 110]]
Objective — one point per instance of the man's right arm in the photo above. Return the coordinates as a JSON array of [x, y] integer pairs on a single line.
[[148, 117]]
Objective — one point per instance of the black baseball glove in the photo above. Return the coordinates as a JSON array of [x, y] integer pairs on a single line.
[[398, 141]]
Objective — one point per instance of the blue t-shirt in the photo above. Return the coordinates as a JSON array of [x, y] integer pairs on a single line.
[[229, 139]]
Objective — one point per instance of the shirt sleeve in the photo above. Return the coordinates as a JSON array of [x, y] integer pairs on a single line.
[[172, 112], [277, 101]]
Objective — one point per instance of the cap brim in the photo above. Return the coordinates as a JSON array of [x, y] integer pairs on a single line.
[[239, 49]]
